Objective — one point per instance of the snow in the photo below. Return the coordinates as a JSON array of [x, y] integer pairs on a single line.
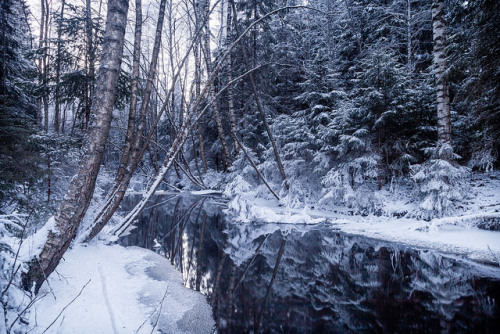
[[34, 244], [100, 288], [458, 233], [204, 192]]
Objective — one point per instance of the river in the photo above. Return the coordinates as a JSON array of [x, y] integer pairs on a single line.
[[283, 278]]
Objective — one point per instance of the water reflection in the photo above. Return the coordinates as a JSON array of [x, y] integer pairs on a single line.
[[310, 279]]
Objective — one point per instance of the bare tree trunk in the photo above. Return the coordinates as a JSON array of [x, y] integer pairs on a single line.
[[81, 189], [136, 62], [269, 132], [90, 62], [197, 79], [256, 169], [135, 153], [226, 158], [63, 120], [409, 63], [39, 115], [441, 73], [230, 95], [45, 68], [44, 27], [57, 104], [259, 107]]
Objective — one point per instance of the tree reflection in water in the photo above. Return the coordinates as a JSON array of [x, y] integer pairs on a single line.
[[311, 279]]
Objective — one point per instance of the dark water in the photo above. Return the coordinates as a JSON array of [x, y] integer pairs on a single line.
[[270, 278]]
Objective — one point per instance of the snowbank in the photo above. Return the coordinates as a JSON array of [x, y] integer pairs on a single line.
[[457, 233], [112, 289]]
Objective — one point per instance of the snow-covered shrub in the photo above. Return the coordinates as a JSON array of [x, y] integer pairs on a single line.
[[348, 184], [440, 182], [237, 187], [12, 297], [243, 180], [300, 153], [483, 159]]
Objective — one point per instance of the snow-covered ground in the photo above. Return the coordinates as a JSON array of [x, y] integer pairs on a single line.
[[463, 233], [101, 288]]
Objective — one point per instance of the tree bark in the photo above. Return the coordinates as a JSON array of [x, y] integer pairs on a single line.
[[90, 64], [135, 149], [136, 62], [57, 104], [45, 96], [230, 94], [409, 63], [197, 79], [39, 114], [81, 189], [261, 110], [226, 158], [441, 73]]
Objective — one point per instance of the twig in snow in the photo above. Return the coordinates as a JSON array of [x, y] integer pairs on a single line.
[[488, 206], [159, 312], [25, 309], [494, 256], [65, 307], [61, 277]]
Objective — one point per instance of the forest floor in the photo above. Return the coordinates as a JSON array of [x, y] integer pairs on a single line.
[[100, 288], [473, 229]]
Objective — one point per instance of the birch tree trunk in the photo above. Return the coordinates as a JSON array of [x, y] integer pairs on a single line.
[[197, 79], [192, 118], [230, 95], [81, 189], [135, 154], [90, 58], [441, 73], [57, 104], [136, 62]]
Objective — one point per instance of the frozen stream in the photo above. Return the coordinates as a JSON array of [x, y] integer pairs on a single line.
[[312, 279]]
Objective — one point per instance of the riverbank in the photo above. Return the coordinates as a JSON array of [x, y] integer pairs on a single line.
[[100, 288], [473, 229]]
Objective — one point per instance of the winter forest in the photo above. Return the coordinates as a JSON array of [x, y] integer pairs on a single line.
[[275, 125]]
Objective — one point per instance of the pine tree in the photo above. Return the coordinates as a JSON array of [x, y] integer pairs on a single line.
[[17, 108]]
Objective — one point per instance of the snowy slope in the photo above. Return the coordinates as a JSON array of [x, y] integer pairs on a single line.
[[122, 290]]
